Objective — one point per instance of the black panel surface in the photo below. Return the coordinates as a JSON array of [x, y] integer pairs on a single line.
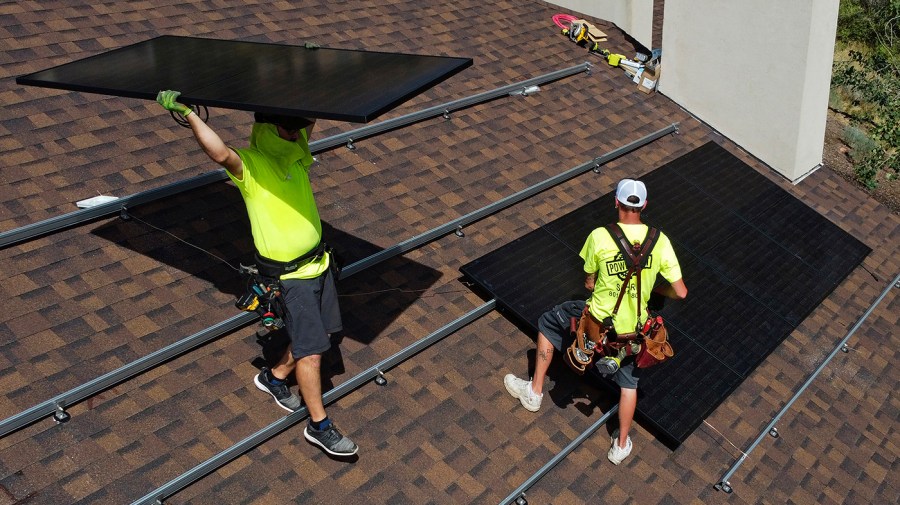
[[338, 84], [755, 259]]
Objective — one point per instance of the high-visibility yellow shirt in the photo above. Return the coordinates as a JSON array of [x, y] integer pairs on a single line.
[[275, 186], [602, 257]]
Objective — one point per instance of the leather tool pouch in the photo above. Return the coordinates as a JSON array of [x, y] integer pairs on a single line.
[[589, 337], [655, 346]]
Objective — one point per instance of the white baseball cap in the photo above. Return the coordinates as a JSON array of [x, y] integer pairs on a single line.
[[628, 188]]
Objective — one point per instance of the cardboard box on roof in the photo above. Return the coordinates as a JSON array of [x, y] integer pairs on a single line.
[[649, 79]]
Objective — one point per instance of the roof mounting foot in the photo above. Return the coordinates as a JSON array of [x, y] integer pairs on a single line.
[[459, 232], [61, 416], [446, 114], [123, 214], [350, 144], [380, 379]]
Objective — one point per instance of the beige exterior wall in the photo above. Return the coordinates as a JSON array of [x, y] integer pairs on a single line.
[[634, 17], [758, 71]]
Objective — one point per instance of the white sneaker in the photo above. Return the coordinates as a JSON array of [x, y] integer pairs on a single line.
[[521, 389], [617, 454]]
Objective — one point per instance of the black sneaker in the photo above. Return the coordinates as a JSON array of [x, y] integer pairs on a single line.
[[331, 440], [281, 392]]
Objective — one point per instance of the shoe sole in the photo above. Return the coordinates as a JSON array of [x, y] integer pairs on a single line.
[[313, 440], [263, 388], [516, 395]]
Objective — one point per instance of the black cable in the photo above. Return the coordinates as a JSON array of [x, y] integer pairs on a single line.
[[181, 120]]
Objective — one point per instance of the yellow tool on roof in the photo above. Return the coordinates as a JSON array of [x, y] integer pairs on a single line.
[[580, 30]]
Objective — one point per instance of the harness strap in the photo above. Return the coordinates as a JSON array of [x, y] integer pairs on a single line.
[[634, 260], [275, 269]]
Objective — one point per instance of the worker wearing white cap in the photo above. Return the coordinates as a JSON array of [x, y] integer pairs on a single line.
[[606, 278]]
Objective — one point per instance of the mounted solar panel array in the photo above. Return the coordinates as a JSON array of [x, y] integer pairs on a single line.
[[755, 259]]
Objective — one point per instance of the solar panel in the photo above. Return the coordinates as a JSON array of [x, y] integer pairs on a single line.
[[755, 259], [338, 84]]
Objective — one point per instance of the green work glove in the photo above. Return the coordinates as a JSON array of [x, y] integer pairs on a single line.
[[311, 45], [167, 99]]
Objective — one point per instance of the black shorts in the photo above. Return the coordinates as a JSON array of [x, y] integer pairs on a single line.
[[555, 325], [311, 314]]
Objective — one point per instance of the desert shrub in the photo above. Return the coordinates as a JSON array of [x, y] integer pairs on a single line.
[[866, 84]]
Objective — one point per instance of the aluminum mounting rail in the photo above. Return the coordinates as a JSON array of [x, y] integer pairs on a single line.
[[723, 484], [457, 224], [158, 495], [106, 209], [77, 217], [444, 110], [56, 406], [518, 496]]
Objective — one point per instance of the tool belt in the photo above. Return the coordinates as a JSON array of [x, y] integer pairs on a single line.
[[275, 269], [591, 336], [264, 289]]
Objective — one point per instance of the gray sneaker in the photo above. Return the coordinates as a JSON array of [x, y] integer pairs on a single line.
[[281, 392], [331, 440], [521, 389]]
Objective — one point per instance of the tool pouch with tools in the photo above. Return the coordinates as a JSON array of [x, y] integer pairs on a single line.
[[655, 346], [263, 296], [589, 337]]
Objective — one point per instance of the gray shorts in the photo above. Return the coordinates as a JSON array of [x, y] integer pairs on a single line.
[[311, 314], [555, 325]]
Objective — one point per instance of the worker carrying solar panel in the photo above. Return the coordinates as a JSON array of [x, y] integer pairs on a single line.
[[608, 331], [272, 175]]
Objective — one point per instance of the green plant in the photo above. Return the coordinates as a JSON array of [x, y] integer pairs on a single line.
[[866, 85], [861, 145]]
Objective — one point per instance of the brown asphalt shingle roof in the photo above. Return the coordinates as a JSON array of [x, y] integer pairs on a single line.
[[82, 302]]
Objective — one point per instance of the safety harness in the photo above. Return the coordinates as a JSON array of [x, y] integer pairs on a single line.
[[273, 268], [593, 336]]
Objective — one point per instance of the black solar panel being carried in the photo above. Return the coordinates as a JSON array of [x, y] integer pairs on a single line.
[[755, 259], [339, 84]]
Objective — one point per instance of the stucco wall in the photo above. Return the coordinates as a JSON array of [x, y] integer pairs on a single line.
[[757, 70]]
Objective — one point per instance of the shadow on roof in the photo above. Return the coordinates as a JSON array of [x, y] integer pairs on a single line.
[[214, 219]]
